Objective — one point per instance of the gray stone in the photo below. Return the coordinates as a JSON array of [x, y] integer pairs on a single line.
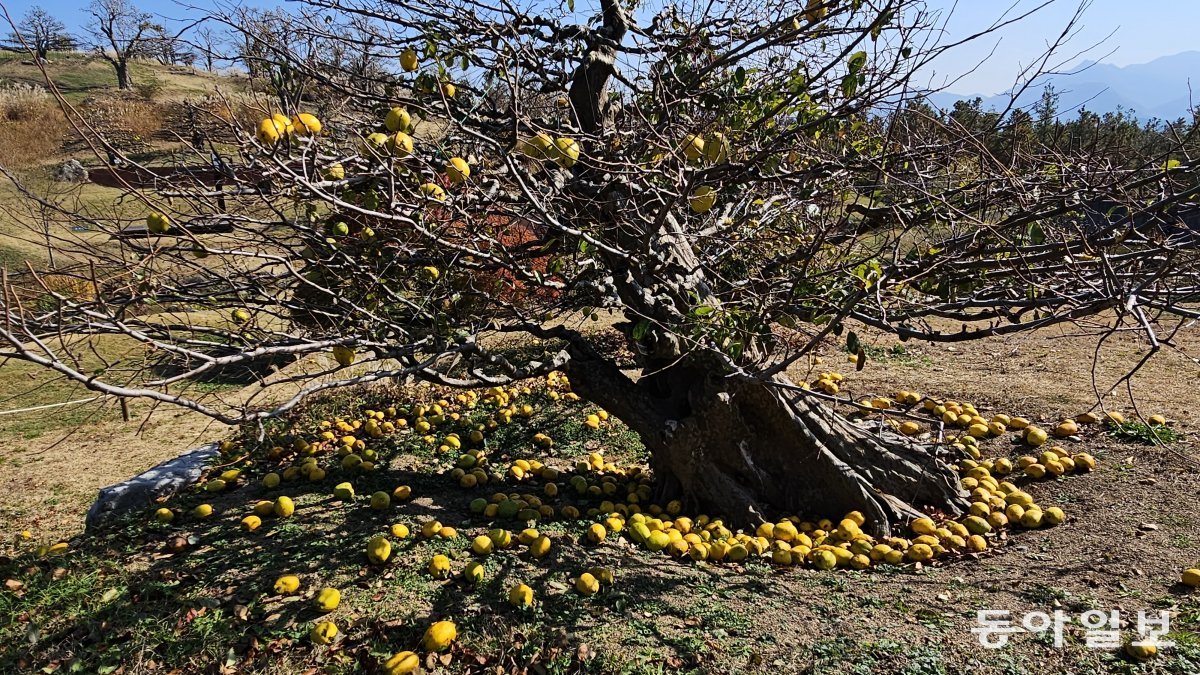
[[71, 171], [140, 491]]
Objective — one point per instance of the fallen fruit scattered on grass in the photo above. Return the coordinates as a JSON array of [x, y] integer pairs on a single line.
[[605, 505]]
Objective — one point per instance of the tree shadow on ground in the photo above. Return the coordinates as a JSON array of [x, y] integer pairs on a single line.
[[197, 594]]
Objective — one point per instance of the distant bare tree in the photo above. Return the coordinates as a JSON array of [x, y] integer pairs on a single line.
[[206, 42], [40, 33], [166, 49], [119, 33]]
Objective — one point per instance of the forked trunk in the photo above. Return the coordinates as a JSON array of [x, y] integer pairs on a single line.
[[752, 451]]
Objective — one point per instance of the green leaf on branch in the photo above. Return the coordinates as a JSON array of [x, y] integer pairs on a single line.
[[1035, 234], [853, 345], [857, 61], [849, 85]]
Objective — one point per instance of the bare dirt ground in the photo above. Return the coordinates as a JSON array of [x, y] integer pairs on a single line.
[[49, 481]]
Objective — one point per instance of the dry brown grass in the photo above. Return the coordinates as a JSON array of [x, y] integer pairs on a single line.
[[32, 127], [138, 118]]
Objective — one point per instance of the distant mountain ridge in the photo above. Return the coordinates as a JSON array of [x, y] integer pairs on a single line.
[[1160, 88]]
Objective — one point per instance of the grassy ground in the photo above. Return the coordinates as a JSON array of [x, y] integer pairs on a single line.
[[126, 600], [78, 75]]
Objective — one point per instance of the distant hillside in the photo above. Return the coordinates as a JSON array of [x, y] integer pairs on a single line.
[[79, 75], [1160, 88]]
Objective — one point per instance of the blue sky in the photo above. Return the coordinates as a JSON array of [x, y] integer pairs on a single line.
[[1144, 30]]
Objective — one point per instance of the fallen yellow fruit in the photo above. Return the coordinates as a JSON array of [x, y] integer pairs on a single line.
[[287, 584], [328, 599], [379, 549], [323, 633], [540, 546], [284, 507], [439, 567], [923, 526], [1141, 652], [439, 636], [380, 501], [1066, 428], [1032, 518], [520, 596], [596, 533], [473, 572], [822, 559], [402, 663], [1191, 577], [344, 491], [482, 545], [587, 584], [919, 553], [1035, 436], [1053, 516]]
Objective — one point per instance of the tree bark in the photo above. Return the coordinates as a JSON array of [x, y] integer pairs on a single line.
[[123, 80], [589, 84], [750, 451]]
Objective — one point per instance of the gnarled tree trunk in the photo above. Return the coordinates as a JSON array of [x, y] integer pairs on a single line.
[[752, 451], [734, 446], [124, 81]]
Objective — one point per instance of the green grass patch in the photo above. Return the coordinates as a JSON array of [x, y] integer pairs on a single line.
[[1133, 431], [896, 354]]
